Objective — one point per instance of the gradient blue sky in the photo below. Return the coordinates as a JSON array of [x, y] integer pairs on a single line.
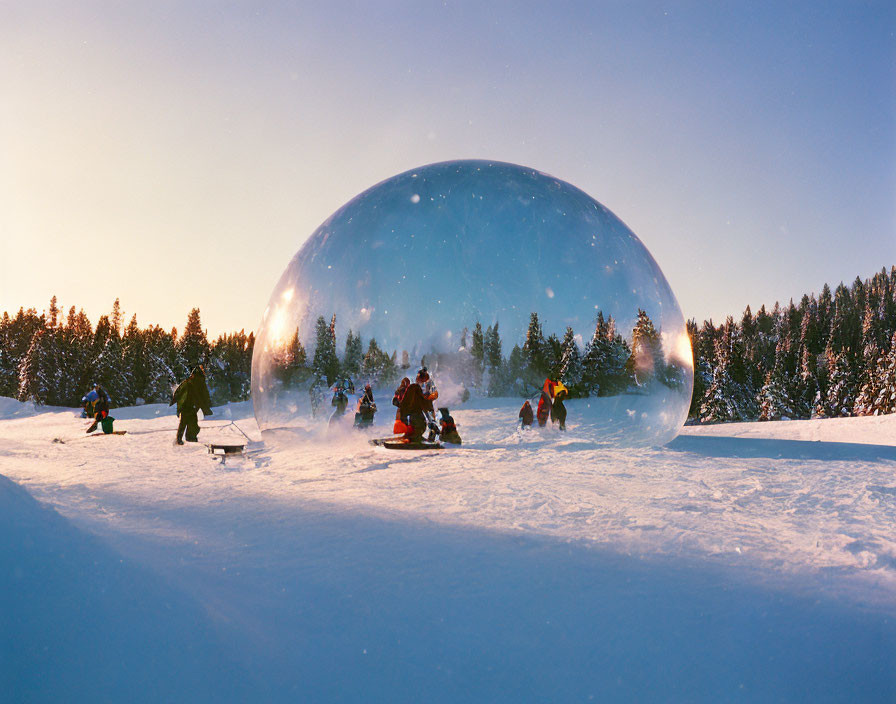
[[177, 154]]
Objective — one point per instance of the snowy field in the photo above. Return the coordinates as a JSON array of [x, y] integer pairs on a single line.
[[741, 562]]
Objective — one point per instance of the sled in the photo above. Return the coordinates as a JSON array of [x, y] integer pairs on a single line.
[[111, 432], [222, 451], [401, 443]]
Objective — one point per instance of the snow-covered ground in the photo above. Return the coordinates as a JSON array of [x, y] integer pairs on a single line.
[[747, 562]]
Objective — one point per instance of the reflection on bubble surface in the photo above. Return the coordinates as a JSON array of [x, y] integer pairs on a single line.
[[415, 262]]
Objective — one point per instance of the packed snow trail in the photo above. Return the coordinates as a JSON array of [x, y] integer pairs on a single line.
[[519, 567]]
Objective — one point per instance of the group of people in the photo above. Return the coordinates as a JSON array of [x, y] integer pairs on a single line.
[[416, 415], [191, 396], [365, 409], [414, 401], [550, 405]]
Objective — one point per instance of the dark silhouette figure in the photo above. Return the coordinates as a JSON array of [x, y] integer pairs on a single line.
[[191, 396]]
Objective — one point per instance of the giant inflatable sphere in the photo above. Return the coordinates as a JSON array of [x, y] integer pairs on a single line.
[[403, 274]]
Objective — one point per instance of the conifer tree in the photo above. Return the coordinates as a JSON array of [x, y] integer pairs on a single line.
[[477, 351], [162, 365], [40, 375], [702, 373], [377, 366], [325, 365], [193, 345], [534, 353], [133, 367], [492, 347], [117, 316], [729, 397], [354, 352], [603, 364], [53, 313], [106, 355], [646, 360], [571, 364], [839, 398]]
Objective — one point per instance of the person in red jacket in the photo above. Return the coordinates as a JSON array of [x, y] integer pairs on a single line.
[[545, 403]]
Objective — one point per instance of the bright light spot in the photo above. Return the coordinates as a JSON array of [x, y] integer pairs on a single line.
[[415, 198], [549, 292], [288, 294]]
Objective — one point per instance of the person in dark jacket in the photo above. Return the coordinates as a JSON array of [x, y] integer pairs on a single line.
[[339, 403], [527, 415], [191, 396], [411, 409], [558, 410], [366, 409]]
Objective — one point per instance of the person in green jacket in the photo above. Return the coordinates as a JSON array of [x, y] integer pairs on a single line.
[[191, 395]]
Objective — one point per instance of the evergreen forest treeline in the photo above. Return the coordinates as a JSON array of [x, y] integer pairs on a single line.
[[608, 365], [53, 359], [829, 355]]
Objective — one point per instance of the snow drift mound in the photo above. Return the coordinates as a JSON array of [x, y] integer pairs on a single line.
[[11, 408]]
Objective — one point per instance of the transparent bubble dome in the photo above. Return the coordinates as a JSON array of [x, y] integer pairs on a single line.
[[416, 261]]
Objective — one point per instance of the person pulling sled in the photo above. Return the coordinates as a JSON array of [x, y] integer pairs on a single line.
[[191, 396]]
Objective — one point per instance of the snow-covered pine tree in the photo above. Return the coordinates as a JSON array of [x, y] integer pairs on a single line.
[[354, 353], [107, 363], [75, 359], [812, 369], [133, 368], [193, 346], [494, 361], [775, 396], [161, 361], [228, 371], [9, 373], [117, 317], [491, 345], [377, 367], [840, 396], [536, 367], [39, 371], [553, 356], [514, 371], [702, 376], [646, 360], [571, 364], [729, 396], [53, 313], [603, 364], [325, 365], [477, 352]]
